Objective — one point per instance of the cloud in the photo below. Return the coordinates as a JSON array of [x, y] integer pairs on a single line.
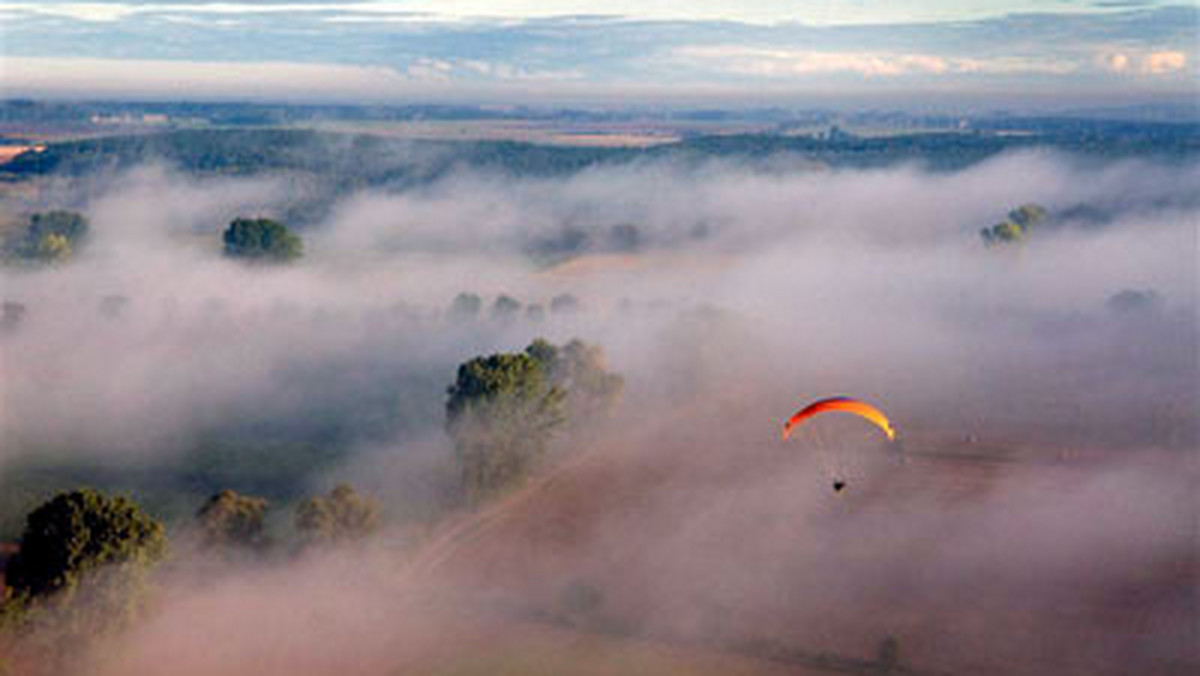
[[778, 63], [1158, 63], [1154, 63], [782, 63], [430, 69], [1118, 63], [614, 54]]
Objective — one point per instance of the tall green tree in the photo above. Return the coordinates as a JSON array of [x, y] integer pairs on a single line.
[[83, 567], [501, 412], [262, 239], [78, 532]]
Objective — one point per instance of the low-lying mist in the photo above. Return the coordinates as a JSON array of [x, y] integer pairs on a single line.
[[727, 296]]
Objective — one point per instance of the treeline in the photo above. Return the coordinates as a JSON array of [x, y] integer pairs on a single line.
[[84, 568], [346, 159], [349, 160]]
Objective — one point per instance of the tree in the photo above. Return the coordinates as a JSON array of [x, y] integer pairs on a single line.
[[466, 306], [262, 239], [1027, 215], [1006, 232], [51, 237], [82, 569], [1016, 227], [505, 308], [501, 413], [887, 657], [579, 370], [232, 520], [54, 248], [1129, 301], [343, 516], [75, 534]]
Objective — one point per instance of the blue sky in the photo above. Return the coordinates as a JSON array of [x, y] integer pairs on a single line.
[[764, 51]]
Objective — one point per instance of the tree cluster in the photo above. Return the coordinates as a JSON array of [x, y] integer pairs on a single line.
[[82, 567], [468, 307], [579, 370], [262, 239], [50, 237], [503, 409], [1015, 227], [342, 516], [229, 520], [501, 412]]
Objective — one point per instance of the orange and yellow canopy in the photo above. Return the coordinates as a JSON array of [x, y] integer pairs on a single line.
[[845, 404]]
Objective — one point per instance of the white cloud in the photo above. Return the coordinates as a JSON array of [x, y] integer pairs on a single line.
[[430, 69], [781, 63], [1130, 62], [98, 12], [1158, 63], [443, 70]]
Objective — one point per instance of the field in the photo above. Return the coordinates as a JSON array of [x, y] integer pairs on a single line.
[[505, 396]]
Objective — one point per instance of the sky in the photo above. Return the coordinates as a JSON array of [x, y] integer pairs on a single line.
[[755, 52]]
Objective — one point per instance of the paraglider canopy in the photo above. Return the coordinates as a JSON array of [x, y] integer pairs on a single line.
[[844, 404]]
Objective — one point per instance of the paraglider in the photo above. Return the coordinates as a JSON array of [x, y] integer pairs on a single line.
[[845, 404]]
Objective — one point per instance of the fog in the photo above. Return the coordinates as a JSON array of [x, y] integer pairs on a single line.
[[738, 294]]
